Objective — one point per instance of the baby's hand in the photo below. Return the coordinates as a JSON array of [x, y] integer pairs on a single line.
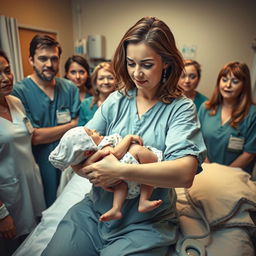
[[136, 139]]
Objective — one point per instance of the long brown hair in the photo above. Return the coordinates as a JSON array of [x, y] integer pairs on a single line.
[[157, 35], [244, 100]]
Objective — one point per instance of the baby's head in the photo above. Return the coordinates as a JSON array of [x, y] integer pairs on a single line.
[[76, 145], [95, 136]]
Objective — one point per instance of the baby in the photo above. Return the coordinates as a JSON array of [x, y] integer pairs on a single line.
[[79, 143]]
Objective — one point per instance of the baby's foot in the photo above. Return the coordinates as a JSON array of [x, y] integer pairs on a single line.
[[112, 214], [146, 205]]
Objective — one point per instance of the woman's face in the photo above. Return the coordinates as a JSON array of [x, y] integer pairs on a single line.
[[105, 82], [145, 67], [230, 87], [6, 77], [189, 79], [77, 74]]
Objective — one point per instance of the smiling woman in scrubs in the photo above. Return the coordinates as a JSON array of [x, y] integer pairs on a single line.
[[228, 119]]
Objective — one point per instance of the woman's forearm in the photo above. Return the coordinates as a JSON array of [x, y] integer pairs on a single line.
[[243, 160], [173, 173]]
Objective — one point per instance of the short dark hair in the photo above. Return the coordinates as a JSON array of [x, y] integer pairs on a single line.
[[3, 54], [82, 62], [42, 41]]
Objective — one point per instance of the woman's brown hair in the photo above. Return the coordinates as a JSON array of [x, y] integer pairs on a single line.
[[157, 35], [244, 100], [189, 62]]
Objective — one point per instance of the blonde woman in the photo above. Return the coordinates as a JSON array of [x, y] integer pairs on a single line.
[[103, 82]]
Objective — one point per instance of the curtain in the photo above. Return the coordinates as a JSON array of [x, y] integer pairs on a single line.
[[10, 44]]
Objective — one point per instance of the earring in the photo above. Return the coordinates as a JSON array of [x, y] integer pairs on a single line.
[[164, 76]]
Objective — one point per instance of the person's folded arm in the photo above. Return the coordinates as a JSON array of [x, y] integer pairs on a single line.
[[47, 135], [243, 160]]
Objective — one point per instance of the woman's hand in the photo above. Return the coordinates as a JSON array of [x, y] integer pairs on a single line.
[[97, 156], [7, 227], [104, 173]]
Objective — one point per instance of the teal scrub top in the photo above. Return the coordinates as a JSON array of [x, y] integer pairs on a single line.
[[217, 136], [86, 112], [172, 128], [199, 99], [42, 111]]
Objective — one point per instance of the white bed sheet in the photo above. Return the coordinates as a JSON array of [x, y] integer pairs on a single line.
[[231, 239], [39, 238]]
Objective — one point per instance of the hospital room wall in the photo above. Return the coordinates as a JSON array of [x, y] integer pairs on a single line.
[[46, 15], [221, 30]]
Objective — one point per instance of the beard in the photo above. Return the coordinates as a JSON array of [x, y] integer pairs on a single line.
[[43, 77]]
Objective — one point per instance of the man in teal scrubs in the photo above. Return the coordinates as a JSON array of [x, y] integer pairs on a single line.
[[52, 105]]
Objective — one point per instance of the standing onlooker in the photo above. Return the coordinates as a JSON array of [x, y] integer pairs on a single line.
[[104, 83], [228, 119], [21, 190], [77, 70], [52, 105], [189, 81]]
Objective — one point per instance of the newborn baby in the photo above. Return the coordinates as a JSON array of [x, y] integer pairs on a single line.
[[79, 143]]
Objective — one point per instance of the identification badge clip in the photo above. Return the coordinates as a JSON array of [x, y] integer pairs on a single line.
[[235, 143], [63, 116], [28, 125]]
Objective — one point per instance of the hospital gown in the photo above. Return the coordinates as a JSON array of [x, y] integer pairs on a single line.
[[171, 128]]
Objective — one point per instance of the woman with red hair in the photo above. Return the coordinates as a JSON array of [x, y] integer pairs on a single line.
[[228, 119]]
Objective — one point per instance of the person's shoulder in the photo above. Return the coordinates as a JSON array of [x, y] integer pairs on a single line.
[[87, 101], [182, 102], [116, 97], [22, 83], [63, 82], [201, 96], [252, 111], [14, 99], [253, 108]]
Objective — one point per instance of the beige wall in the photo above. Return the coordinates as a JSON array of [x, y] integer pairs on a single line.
[[49, 15], [222, 30]]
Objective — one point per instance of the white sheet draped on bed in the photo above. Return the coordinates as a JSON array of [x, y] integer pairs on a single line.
[[214, 212]]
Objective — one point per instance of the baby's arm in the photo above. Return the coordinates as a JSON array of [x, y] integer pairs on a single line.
[[122, 147]]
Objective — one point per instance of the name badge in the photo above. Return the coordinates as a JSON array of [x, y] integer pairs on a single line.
[[28, 125], [235, 143], [63, 116]]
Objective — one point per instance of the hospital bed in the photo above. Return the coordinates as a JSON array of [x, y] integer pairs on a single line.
[[217, 214]]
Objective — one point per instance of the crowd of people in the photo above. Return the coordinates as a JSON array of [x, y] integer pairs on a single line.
[[147, 93]]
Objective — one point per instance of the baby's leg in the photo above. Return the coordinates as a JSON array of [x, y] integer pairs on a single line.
[[143, 156], [145, 205], [120, 193]]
